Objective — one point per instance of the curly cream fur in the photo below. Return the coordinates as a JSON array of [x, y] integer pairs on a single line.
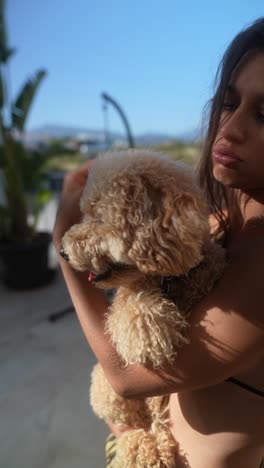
[[153, 448], [155, 218], [109, 406], [150, 331], [144, 212], [142, 449]]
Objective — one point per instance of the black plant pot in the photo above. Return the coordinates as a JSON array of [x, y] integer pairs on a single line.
[[25, 263]]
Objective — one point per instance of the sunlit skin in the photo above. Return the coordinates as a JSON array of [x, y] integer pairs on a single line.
[[217, 424]]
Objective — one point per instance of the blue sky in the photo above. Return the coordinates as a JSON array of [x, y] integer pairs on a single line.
[[157, 58]]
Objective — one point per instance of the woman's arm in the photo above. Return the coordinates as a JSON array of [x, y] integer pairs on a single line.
[[226, 330], [90, 303]]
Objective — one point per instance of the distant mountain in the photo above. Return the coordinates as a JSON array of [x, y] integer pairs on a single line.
[[59, 130], [153, 138], [190, 135], [49, 132]]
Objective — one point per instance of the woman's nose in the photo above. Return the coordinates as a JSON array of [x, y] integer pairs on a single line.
[[233, 127]]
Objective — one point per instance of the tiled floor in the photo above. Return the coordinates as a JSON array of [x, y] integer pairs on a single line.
[[45, 418]]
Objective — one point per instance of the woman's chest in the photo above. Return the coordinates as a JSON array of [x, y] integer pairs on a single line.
[[216, 422]]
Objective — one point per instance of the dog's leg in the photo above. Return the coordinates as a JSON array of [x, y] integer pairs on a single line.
[[145, 327], [110, 406]]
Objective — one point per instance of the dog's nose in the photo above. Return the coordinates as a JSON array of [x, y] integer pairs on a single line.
[[64, 254]]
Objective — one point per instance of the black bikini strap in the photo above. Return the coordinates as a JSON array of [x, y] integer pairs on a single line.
[[246, 386]]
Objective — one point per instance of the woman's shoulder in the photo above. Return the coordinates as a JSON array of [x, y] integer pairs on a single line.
[[245, 239], [248, 243]]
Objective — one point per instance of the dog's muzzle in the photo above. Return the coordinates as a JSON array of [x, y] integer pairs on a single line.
[[64, 255]]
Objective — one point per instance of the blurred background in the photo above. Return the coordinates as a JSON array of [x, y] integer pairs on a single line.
[[78, 78]]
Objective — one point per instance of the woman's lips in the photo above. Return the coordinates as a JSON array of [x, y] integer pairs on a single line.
[[225, 157]]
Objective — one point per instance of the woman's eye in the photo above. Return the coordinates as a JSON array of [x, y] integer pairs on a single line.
[[228, 106]]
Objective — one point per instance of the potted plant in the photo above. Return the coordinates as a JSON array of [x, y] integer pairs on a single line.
[[23, 250]]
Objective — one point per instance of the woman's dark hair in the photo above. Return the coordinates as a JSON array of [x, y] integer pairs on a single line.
[[220, 198]]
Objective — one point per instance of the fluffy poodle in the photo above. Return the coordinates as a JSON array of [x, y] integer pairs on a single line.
[[145, 232]]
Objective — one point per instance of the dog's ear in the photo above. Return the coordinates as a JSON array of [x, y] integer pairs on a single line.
[[170, 243]]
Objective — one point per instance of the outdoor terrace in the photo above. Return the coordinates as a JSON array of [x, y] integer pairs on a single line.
[[45, 366]]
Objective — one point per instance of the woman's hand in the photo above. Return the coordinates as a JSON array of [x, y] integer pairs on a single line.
[[69, 212]]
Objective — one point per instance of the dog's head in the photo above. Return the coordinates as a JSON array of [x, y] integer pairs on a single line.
[[143, 215]]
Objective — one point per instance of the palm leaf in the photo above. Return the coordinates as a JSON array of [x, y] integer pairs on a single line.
[[3, 35], [2, 93], [5, 54], [22, 105], [5, 50], [16, 203]]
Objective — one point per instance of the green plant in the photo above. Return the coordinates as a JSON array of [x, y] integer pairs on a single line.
[[24, 187]]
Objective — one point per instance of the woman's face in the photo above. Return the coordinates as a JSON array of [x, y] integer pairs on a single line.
[[238, 150]]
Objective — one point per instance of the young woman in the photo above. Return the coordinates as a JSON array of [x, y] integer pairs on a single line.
[[216, 403]]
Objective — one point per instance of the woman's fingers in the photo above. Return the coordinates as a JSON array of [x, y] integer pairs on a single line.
[[69, 207], [77, 178]]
